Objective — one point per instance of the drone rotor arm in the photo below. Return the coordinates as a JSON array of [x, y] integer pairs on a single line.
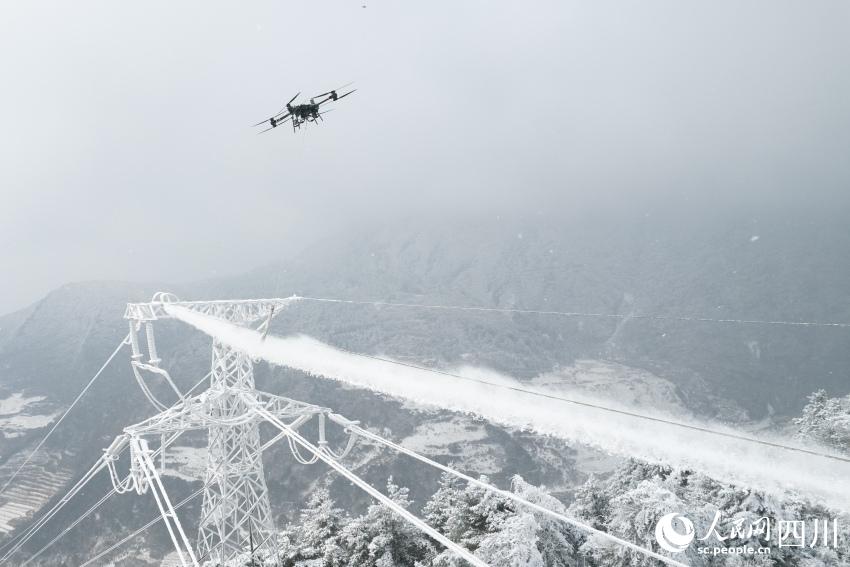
[[336, 89]]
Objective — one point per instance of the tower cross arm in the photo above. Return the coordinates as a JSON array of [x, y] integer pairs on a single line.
[[286, 408], [239, 311], [192, 413], [204, 411]]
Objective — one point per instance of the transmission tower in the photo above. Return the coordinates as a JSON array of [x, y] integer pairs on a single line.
[[235, 500]]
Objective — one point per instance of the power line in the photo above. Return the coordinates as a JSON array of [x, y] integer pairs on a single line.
[[201, 381], [101, 463], [368, 435], [97, 467], [19, 541], [605, 408], [140, 530], [123, 342], [73, 492], [510, 495], [368, 488], [70, 494], [580, 314], [323, 454], [108, 495], [71, 526]]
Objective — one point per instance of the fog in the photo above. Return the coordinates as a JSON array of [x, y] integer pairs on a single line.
[[128, 151], [745, 463]]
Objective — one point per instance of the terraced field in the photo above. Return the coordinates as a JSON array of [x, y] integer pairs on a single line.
[[40, 481]]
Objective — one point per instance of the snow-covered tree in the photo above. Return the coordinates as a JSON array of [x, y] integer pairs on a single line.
[[634, 515], [591, 503], [441, 509], [316, 537], [826, 420], [466, 514], [630, 502], [497, 529], [379, 538], [557, 542], [513, 544]]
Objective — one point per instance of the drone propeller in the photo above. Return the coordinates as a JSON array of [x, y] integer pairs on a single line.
[[278, 123], [336, 89], [287, 105], [280, 111], [266, 121], [331, 99]]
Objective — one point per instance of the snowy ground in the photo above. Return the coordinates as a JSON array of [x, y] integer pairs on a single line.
[[19, 413], [138, 557], [16, 403], [186, 463], [461, 437], [171, 560]]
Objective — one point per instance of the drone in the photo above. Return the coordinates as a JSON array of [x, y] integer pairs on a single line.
[[300, 114]]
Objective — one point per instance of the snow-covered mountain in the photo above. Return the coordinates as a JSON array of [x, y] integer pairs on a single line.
[[711, 267]]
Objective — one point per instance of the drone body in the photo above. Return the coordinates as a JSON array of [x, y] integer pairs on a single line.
[[300, 114]]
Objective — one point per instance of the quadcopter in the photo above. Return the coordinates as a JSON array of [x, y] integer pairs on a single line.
[[300, 114]]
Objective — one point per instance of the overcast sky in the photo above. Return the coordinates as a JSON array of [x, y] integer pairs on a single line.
[[127, 151]]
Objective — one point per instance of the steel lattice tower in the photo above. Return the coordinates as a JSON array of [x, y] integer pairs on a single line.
[[236, 500], [236, 507]]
